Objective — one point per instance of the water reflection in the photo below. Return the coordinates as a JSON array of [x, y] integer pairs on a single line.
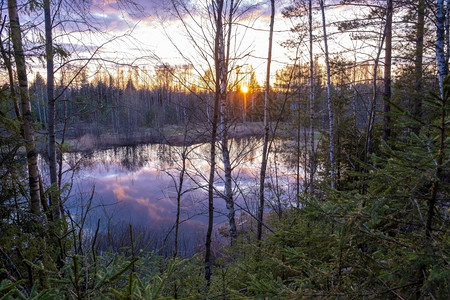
[[137, 185]]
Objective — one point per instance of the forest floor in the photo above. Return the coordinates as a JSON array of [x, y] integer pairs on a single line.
[[170, 134]]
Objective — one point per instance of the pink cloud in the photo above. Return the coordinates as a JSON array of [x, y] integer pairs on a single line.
[[120, 192], [155, 210]]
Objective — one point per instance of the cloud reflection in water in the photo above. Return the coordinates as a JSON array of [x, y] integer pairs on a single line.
[[132, 186]]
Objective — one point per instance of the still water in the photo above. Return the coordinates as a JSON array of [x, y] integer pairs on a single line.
[[138, 185]]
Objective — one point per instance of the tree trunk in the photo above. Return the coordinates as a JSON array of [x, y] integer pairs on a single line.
[[447, 32], [418, 63], [440, 44], [329, 103], [435, 186], [27, 119], [298, 154], [228, 191], [218, 65], [387, 72], [373, 105], [179, 193], [262, 177], [312, 165], [55, 203]]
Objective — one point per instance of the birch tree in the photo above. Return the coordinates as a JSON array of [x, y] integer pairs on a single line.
[[312, 165], [224, 122], [329, 100], [27, 119], [218, 47], [265, 154], [55, 204], [442, 62]]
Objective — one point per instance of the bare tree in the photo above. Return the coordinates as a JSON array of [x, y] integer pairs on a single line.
[[224, 122], [265, 154], [387, 72], [312, 165], [214, 72], [418, 62], [55, 203], [218, 7], [27, 119], [373, 104], [329, 100], [441, 58]]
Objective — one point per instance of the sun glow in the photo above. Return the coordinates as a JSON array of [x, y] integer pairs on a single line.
[[244, 90]]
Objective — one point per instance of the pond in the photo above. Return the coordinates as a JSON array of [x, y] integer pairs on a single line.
[[137, 185]]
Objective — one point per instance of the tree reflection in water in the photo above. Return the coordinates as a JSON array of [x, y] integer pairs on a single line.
[[133, 186]]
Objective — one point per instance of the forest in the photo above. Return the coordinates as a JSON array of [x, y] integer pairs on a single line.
[[320, 170]]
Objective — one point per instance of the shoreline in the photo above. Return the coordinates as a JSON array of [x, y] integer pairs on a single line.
[[171, 135]]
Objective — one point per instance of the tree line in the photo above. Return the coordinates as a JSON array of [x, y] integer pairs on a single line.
[[134, 100]]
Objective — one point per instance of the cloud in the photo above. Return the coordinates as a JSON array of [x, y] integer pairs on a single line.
[[120, 192], [139, 197], [157, 211], [121, 14]]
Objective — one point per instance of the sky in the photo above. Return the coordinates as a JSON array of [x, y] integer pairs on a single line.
[[148, 33]]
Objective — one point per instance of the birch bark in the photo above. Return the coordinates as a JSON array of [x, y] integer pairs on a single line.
[[218, 9], [440, 44], [312, 166], [329, 103], [27, 119], [228, 191], [262, 177], [51, 115]]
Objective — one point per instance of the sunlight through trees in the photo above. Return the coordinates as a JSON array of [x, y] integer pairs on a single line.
[[224, 149]]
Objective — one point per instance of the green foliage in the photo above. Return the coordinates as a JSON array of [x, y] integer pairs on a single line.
[[110, 277], [7, 288], [392, 241]]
